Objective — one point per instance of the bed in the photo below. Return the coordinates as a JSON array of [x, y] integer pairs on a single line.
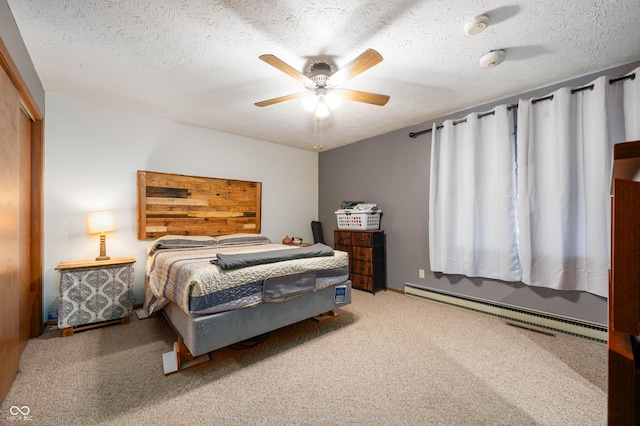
[[212, 274]]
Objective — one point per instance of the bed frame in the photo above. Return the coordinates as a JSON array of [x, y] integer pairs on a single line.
[[170, 204], [197, 336]]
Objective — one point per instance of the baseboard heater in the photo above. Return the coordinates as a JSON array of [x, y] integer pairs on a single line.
[[535, 320]]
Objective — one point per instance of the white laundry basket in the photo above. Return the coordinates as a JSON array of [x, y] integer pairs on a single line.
[[359, 218]]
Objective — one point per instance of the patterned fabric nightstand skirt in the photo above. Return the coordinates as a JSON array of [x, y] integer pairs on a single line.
[[94, 295]]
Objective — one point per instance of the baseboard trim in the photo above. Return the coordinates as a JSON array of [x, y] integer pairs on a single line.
[[511, 313]]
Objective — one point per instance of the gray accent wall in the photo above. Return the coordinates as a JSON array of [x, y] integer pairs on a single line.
[[11, 38], [393, 171]]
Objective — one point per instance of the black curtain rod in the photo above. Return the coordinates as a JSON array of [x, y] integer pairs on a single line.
[[534, 101], [422, 132], [484, 114], [574, 91], [546, 98], [626, 77], [464, 120]]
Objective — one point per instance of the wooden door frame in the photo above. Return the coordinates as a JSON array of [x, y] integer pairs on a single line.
[[37, 162]]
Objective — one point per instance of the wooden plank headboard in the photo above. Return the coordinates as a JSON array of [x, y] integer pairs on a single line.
[[171, 204]]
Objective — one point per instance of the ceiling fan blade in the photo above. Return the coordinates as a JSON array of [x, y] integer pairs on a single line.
[[366, 97], [363, 62], [281, 99], [286, 68]]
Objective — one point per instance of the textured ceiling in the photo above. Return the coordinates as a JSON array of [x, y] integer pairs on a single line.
[[196, 61]]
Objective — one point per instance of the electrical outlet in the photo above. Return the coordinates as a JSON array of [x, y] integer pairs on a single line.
[[420, 273]]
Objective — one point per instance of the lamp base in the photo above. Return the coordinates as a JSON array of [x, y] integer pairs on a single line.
[[103, 248]]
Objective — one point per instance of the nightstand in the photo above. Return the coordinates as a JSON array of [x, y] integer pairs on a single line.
[[94, 293]]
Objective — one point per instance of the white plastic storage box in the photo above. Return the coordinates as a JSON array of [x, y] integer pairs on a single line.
[[356, 219]]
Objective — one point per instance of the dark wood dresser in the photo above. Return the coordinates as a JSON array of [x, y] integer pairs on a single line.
[[624, 288], [367, 258]]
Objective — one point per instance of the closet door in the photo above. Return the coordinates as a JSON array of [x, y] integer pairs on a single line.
[[11, 276], [21, 166]]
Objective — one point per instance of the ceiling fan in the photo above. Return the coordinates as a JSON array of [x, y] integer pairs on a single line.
[[322, 83]]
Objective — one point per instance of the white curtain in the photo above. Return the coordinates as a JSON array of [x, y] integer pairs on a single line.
[[564, 148], [631, 94], [556, 234], [472, 201]]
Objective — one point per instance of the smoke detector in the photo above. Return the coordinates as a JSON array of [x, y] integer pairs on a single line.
[[492, 59], [476, 25]]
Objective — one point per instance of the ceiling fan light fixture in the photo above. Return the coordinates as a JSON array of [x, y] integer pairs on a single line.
[[310, 102], [320, 83], [322, 109]]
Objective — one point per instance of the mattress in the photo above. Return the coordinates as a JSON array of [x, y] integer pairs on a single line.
[[187, 277]]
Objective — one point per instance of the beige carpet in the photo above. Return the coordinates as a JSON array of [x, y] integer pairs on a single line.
[[387, 359]]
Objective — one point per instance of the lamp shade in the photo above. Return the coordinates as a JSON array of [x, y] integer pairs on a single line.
[[101, 222]]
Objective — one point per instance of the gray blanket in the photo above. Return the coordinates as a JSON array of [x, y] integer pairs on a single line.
[[241, 260]]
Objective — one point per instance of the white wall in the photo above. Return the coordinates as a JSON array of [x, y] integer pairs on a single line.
[[92, 153]]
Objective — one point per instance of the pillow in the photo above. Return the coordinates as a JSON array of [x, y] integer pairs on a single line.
[[181, 242], [241, 239]]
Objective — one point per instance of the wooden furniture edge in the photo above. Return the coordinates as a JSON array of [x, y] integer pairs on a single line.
[[258, 206], [142, 205], [76, 264], [359, 230], [68, 331], [625, 270], [622, 376], [623, 388], [326, 315], [624, 150], [180, 358]]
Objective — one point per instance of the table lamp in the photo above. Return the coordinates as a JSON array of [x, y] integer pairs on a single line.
[[101, 223]]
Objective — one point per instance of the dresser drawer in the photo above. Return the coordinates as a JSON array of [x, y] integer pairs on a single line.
[[342, 238], [361, 239], [367, 239], [367, 282], [366, 268], [362, 282], [367, 253]]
